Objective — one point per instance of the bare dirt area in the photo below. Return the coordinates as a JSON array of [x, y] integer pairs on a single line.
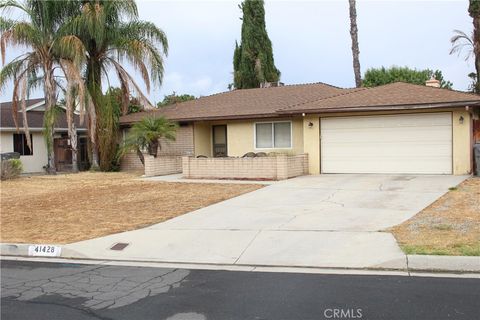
[[72, 207], [450, 226]]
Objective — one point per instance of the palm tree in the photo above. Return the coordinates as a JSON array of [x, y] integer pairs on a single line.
[[461, 41], [355, 48], [145, 135], [113, 35], [474, 11], [40, 33], [76, 97]]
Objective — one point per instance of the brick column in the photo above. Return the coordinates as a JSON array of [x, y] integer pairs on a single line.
[[282, 167], [149, 165]]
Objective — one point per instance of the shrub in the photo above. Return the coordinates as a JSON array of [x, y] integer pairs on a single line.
[[11, 168]]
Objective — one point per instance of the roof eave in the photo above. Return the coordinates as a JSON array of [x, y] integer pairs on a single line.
[[212, 118], [381, 108]]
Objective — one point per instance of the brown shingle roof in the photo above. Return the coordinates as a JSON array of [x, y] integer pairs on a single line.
[[307, 98], [35, 118], [241, 103], [398, 95]]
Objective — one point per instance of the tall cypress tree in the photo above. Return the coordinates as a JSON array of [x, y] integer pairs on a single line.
[[253, 61]]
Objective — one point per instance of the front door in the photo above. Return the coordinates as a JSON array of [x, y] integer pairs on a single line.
[[219, 141]]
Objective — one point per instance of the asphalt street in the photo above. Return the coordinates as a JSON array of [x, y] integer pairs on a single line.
[[36, 290]]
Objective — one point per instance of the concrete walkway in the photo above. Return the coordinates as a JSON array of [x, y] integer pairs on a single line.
[[327, 221], [178, 177]]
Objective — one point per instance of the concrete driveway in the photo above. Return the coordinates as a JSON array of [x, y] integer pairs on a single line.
[[311, 221]]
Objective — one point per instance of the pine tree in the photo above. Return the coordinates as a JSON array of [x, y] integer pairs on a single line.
[[253, 61]]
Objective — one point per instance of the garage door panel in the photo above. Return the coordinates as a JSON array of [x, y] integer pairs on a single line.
[[390, 151], [390, 121], [423, 167], [416, 143], [417, 134]]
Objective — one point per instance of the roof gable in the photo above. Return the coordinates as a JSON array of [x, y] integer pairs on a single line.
[[35, 114]]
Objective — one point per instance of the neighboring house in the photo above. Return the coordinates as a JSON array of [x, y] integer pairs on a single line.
[[35, 159], [395, 128]]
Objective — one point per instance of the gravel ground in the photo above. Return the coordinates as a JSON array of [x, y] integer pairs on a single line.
[[450, 226]]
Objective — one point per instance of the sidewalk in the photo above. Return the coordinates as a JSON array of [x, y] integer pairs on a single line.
[[414, 264]]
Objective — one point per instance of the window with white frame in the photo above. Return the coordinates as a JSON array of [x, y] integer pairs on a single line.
[[269, 135]]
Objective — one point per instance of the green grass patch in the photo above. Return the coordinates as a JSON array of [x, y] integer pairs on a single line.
[[469, 250], [456, 250], [442, 227]]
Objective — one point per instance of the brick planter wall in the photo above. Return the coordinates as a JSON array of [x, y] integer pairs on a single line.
[[162, 165], [131, 162], [263, 168], [183, 145]]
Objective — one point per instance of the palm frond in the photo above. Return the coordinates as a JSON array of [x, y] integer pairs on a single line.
[[70, 47], [7, 5], [127, 78], [461, 41]]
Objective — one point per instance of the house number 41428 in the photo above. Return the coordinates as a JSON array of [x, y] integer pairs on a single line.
[[44, 250]]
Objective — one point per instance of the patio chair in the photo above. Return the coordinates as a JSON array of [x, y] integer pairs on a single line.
[[249, 155]]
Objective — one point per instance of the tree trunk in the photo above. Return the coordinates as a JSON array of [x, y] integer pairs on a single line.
[[140, 155], [50, 102], [355, 48], [153, 148], [94, 85], [476, 49], [92, 125], [72, 135]]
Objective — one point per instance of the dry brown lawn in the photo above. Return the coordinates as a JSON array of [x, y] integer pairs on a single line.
[[450, 226], [73, 207]]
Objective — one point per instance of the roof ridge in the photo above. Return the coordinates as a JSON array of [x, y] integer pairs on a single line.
[[353, 90], [267, 88], [425, 86]]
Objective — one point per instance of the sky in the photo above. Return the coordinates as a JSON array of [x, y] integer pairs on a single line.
[[311, 41]]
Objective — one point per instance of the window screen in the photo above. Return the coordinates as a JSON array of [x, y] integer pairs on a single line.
[[264, 135], [273, 135], [282, 135]]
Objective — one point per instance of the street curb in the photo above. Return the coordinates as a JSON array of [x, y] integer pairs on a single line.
[[444, 263], [415, 263]]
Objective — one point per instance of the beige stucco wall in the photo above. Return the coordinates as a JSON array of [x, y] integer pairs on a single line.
[[462, 147], [311, 143], [202, 137], [240, 137], [33, 163]]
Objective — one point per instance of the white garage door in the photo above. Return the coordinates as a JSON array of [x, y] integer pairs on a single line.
[[407, 143]]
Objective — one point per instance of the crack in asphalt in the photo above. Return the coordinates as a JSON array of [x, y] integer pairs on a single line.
[[101, 287], [82, 310]]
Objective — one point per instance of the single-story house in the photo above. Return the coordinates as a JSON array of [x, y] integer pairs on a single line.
[[35, 159], [394, 128]]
